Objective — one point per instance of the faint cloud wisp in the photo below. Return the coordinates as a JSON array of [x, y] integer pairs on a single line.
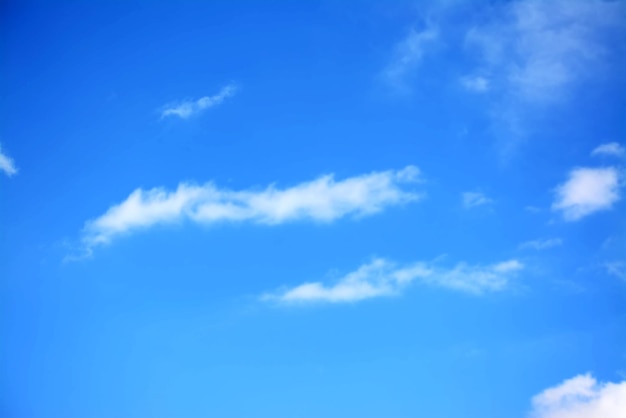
[[408, 56], [474, 199], [610, 149], [188, 108], [382, 277], [541, 244], [536, 49]]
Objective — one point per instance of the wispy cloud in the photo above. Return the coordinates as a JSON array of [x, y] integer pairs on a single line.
[[536, 49], [476, 84], [408, 56], [534, 54], [617, 269], [382, 277], [473, 199], [541, 244], [322, 200], [523, 55], [189, 108], [6, 164], [586, 191], [581, 397], [611, 149]]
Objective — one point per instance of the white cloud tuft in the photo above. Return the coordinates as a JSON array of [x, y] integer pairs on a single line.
[[408, 55], [541, 244], [581, 397], [612, 149], [187, 109], [384, 278], [6, 164], [321, 200], [475, 84], [473, 199], [587, 190]]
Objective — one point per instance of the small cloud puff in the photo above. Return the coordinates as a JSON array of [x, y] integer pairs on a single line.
[[581, 397], [7, 164], [587, 190]]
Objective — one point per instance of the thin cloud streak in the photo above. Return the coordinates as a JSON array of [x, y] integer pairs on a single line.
[[541, 244], [187, 109], [322, 200], [382, 277], [474, 199]]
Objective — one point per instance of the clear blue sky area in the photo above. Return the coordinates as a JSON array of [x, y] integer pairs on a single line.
[[312, 209]]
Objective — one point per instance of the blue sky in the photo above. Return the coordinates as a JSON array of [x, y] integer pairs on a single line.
[[309, 209]]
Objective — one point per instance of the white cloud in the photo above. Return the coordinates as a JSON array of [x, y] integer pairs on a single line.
[[617, 269], [476, 84], [612, 148], [408, 55], [323, 200], [384, 278], [541, 244], [538, 49], [539, 53], [186, 109], [6, 164], [473, 199], [587, 190], [581, 397]]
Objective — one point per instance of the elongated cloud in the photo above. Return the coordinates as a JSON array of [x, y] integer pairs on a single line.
[[6, 164], [187, 109], [610, 149], [586, 191], [541, 244], [322, 200], [382, 277], [581, 397], [473, 199]]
